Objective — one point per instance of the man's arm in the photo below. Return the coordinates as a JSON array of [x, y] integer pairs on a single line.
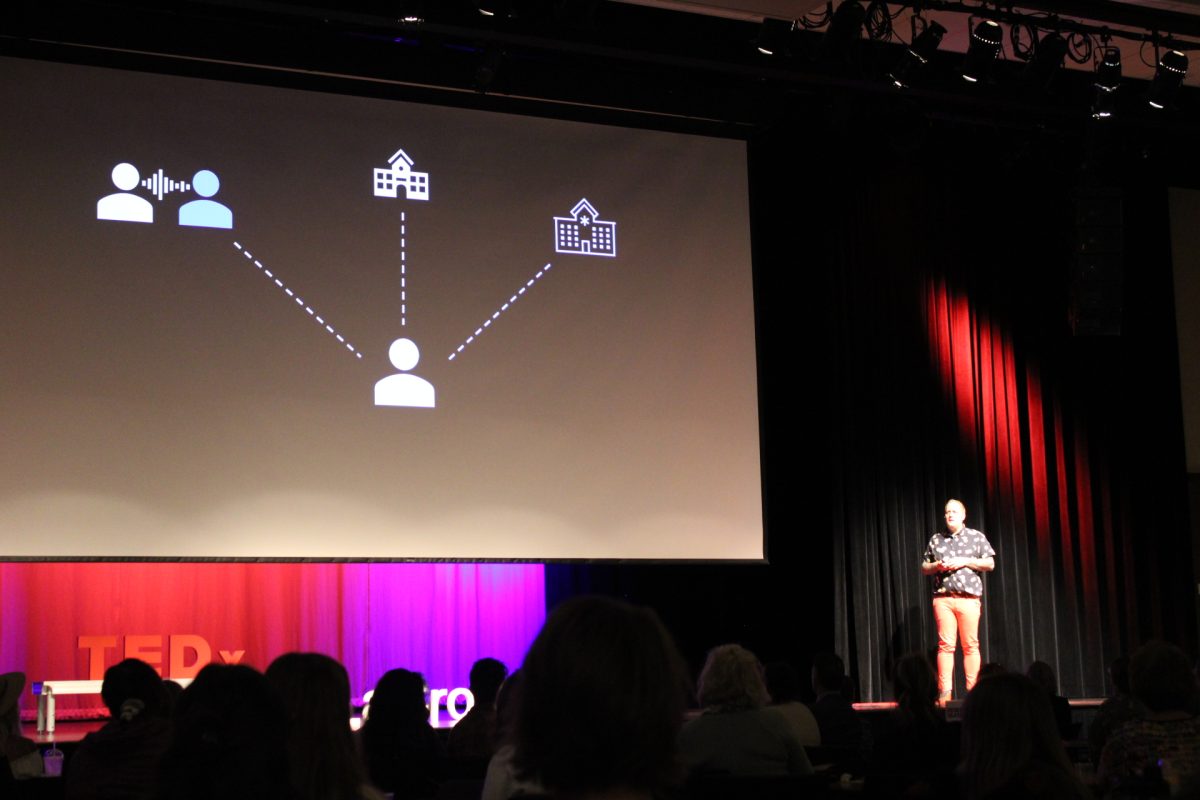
[[978, 564], [931, 567]]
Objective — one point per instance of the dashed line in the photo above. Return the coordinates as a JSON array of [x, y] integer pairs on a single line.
[[488, 322], [299, 301], [403, 268]]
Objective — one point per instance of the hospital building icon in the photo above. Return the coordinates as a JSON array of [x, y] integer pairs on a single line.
[[388, 180], [583, 234]]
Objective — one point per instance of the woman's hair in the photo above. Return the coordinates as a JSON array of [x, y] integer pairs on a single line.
[[228, 739], [915, 687], [315, 691], [601, 700], [132, 689], [731, 680], [1008, 728], [1161, 677]]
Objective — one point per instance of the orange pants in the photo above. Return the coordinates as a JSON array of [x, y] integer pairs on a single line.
[[956, 616]]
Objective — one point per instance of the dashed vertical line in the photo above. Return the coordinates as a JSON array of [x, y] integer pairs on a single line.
[[403, 269]]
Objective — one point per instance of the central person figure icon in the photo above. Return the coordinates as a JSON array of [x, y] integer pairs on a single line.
[[404, 389]]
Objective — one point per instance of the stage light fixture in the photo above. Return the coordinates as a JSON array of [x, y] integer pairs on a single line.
[[982, 50], [845, 29], [1047, 59], [1172, 67], [773, 36], [1108, 69], [412, 12], [917, 54]]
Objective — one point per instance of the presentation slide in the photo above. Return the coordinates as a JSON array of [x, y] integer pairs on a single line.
[[247, 322]]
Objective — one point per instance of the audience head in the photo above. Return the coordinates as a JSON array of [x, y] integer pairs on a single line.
[[228, 741], [1043, 675], [1160, 676], [991, 669], [601, 701], [915, 684], [1008, 728], [828, 673], [398, 702], [486, 676], [315, 691], [506, 706], [132, 689], [783, 682], [11, 684], [731, 680], [1118, 672]]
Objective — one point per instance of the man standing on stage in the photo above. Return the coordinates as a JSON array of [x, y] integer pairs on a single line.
[[955, 558]]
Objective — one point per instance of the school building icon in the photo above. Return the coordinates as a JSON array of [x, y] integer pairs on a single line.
[[399, 173]]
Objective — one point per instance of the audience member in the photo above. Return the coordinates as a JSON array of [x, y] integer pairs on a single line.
[[601, 702], [915, 751], [323, 762], [990, 669], [501, 782], [839, 724], [783, 684], [1165, 742], [24, 760], [403, 754], [1120, 707], [1011, 746], [737, 733], [473, 738], [1043, 675], [228, 740], [121, 759]]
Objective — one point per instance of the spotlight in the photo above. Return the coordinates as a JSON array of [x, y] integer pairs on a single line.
[[917, 54], [773, 36], [412, 12], [982, 50], [1108, 69], [1108, 78], [1047, 59], [845, 28], [1172, 67]]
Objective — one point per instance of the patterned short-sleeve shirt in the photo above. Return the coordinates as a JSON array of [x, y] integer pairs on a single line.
[[967, 543]]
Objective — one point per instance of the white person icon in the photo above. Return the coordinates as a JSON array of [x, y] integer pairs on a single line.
[[404, 389]]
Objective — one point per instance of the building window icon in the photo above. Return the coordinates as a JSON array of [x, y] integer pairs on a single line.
[[399, 173], [583, 234]]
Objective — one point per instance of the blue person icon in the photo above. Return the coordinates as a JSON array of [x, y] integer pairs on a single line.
[[205, 213]]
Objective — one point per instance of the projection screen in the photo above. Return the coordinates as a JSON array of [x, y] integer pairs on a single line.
[[248, 322]]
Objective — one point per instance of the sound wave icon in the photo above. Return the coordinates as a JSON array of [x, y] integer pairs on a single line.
[[159, 184]]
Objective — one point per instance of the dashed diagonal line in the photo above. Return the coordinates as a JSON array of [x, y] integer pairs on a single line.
[[279, 284], [496, 314]]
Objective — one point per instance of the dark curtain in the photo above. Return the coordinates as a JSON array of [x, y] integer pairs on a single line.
[[958, 376]]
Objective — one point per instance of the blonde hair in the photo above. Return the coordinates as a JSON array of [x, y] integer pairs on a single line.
[[732, 680]]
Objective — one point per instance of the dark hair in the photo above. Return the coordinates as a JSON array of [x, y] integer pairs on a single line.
[[828, 671], [131, 689], [397, 702], [486, 676], [1161, 677], [1118, 670], [402, 751], [315, 691], [1008, 730], [1043, 675], [602, 697], [228, 739], [915, 685], [783, 682]]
